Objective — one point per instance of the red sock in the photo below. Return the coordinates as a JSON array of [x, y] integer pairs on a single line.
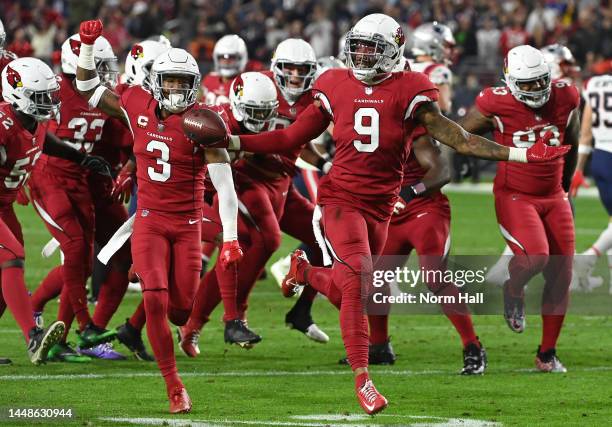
[[458, 314], [228, 286], [110, 296], [160, 336], [379, 329], [73, 273], [139, 318], [551, 328], [49, 288], [65, 312], [17, 299], [207, 297], [320, 278]]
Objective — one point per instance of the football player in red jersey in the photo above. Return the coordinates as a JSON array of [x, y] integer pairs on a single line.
[[6, 56], [374, 112], [230, 58], [531, 202], [60, 196], [170, 172], [30, 95]]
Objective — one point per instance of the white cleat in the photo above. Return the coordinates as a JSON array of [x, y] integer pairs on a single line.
[[583, 267], [498, 274], [316, 334], [280, 269]]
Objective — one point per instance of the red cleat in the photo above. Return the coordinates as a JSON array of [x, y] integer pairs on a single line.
[[180, 403], [291, 285], [188, 341], [370, 399]]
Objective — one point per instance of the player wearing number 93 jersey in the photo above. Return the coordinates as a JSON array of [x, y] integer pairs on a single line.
[[374, 112], [531, 203], [170, 173]]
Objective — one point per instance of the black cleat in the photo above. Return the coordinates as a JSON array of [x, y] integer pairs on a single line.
[[237, 332], [132, 339], [301, 320], [549, 362], [378, 354], [474, 359], [514, 310], [41, 341], [5, 362]]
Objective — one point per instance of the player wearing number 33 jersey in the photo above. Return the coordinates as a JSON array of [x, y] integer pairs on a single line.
[[374, 112]]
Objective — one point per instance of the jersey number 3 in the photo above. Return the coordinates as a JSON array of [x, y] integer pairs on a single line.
[[162, 160], [367, 123]]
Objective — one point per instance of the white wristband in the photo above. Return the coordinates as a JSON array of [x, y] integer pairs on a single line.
[[97, 95], [326, 167], [87, 85], [234, 143], [517, 155], [86, 57], [584, 149], [221, 177]]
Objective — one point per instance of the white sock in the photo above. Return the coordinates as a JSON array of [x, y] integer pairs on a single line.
[[603, 242]]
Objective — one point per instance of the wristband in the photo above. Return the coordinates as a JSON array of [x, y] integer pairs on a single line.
[[234, 143], [86, 57], [87, 85], [584, 149], [94, 100], [517, 155]]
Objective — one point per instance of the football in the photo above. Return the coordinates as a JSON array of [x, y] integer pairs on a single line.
[[204, 126]]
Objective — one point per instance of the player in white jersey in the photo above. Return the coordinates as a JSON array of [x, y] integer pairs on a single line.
[[596, 140]]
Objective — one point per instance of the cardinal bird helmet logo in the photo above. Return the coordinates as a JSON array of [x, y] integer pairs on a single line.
[[13, 77], [239, 87], [75, 45], [137, 51], [399, 36]]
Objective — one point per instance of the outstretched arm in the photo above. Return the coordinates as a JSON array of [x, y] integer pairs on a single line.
[[450, 133], [310, 124], [87, 80]]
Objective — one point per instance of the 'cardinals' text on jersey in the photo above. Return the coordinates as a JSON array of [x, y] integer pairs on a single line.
[[19, 151], [169, 168], [517, 125], [372, 125]]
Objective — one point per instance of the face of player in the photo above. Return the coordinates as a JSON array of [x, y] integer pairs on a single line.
[[177, 91], [533, 85], [228, 62], [295, 74], [365, 53]]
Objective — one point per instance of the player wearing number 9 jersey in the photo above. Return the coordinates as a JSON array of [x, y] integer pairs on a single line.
[[170, 173], [374, 112], [531, 201]]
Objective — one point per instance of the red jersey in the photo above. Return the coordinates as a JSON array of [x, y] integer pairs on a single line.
[[19, 151], [169, 168], [78, 126], [215, 91], [5, 57], [372, 129], [517, 125]]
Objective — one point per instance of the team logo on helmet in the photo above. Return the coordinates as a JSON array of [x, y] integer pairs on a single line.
[[13, 77], [399, 36], [137, 51], [239, 87], [75, 45]]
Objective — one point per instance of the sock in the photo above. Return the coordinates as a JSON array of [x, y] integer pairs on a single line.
[[353, 323], [160, 336], [361, 379], [228, 285], [110, 296], [138, 319], [379, 325], [458, 314], [17, 299], [65, 312], [551, 328], [207, 297], [49, 288], [74, 274], [603, 242]]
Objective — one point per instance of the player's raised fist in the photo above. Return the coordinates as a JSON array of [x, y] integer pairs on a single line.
[[542, 152], [89, 31], [231, 254]]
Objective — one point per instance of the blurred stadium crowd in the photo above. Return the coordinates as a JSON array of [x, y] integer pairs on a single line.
[[484, 29]]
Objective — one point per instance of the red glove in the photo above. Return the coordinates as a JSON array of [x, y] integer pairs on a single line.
[[122, 187], [230, 254], [542, 152], [577, 182], [22, 197], [89, 31]]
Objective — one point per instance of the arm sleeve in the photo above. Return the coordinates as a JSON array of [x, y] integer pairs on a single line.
[[310, 124], [221, 177]]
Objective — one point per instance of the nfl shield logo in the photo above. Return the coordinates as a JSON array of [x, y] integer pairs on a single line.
[[292, 110], [368, 90], [160, 127], [538, 118]]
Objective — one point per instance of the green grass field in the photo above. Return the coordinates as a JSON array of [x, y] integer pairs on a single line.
[[290, 381]]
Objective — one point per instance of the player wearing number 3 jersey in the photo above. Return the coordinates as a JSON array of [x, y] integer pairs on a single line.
[[531, 201], [374, 112], [170, 173]]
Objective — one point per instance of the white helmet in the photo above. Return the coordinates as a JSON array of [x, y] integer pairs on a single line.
[[139, 61], [174, 63], [253, 100], [31, 87], [230, 55], [435, 40], [299, 55], [2, 35], [326, 63], [561, 61], [106, 61], [523, 65], [373, 47]]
